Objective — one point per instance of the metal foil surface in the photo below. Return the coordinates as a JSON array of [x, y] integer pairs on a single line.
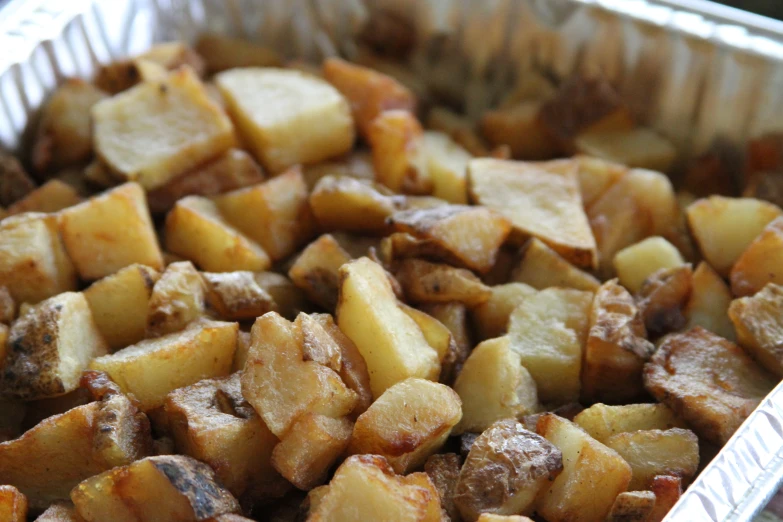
[[699, 73]]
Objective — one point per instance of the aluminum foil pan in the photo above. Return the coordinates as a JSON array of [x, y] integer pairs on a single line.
[[699, 73]]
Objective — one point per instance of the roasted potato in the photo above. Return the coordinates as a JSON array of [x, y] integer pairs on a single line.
[[663, 297], [635, 263], [541, 267], [177, 299], [221, 53], [236, 296], [443, 470], [759, 264], [708, 305], [667, 490], [425, 282], [397, 143], [632, 506], [602, 421], [759, 330], [50, 197], [13, 505], [317, 271], [490, 318], [341, 202]]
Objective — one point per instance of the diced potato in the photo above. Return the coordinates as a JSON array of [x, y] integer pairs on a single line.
[[410, 421], [152, 368], [493, 386], [13, 505], [520, 127], [235, 296], [427, 282], [632, 506], [140, 135], [391, 343], [447, 164], [602, 421], [275, 214], [709, 302], [52, 196], [505, 470], [616, 348], [368, 91], [707, 381], [458, 128], [49, 348], [542, 267], [639, 147], [657, 452], [365, 485], [15, 183], [274, 110], [289, 300], [592, 478], [760, 263], [443, 470], [317, 271], [60, 511], [724, 227], [540, 200], [667, 491], [340, 202], [397, 143], [634, 264], [109, 232], [663, 297], [177, 299], [548, 330], [222, 52], [490, 318], [196, 231], [165, 487], [596, 176], [757, 321]]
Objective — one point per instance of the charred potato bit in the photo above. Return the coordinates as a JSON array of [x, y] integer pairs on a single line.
[[317, 271], [541, 267], [667, 490], [236, 296], [759, 329], [663, 297], [176, 300], [443, 470]]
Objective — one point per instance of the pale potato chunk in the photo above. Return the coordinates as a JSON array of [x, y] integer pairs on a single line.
[[760, 263], [757, 321], [397, 143], [548, 330], [520, 128], [176, 300], [391, 343], [632, 506], [635, 263], [447, 164], [602, 421], [443, 470], [317, 271], [160, 129], [50, 347], [637, 148], [708, 304], [724, 227], [13, 505], [493, 385], [221, 53], [235, 296], [542, 267], [52, 196], [593, 475], [109, 232], [342, 202], [274, 110], [490, 318], [152, 368], [196, 230], [425, 282], [540, 200]]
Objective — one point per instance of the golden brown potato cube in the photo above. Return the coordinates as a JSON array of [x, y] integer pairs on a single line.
[[391, 343], [52, 196], [505, 470], [724, 227], [176, 300], [221, 53], [288, 298], [341, 202], [15, 183], [616, 348], [60, 512], [521, 128], [759, 330], [635, 263], [369, 92], [602, 421], [274, 110], [657, 452], [317, 271], [165, 487], [596, 176], [109, 232], [235, 296], [139, 134], [447, 164], [310, 448], [667, 490], [593, 475], [196, 230], [759, 264], [548, 330], [49, 347], [707, 381], [409, 422], [443, 471], [120, 302], [632, 506], [425, 282], [663, 297], [490, 318], [152, 368], [13, 505], [636, 148], [397, 143], [493, 385], [540, 200], [541, 267], [64, 134], [708, 305]]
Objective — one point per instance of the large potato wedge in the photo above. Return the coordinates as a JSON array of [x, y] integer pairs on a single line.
[[176, 300], [708, 305], [757, 321], [602, 421], [50, 197], [663, 297], [541, 267], [759, 264]]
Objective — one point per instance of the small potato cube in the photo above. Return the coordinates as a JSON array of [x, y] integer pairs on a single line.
[[760, 263], [425, 282], [634, 264], [657, 452], [235, 296], [49, 348], [341, 202], [592, 478], [221, 53], [176, 300], [274, 110], [52, 196], [443, 470], [596, 176], [602, 421], [724, 227], [707, 381], [490, 318], [757, 321], [520, 127], [663, 297], [708, 305], [505, 470], [165, 487], [109, 232], [409, 422], [632, 506], [540, 200], [447, 164], [397, 143], [275, 214], [140, 134], [493, 385], [541, 267], [548, 330], [636, 148], [13, 505], [317, 271], [196, 230], [152, 368], [667, 490]]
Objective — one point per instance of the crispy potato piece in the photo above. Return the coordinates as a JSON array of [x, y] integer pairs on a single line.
[[632, 506], [759, 264], [176, 300], [365, 485], [540, 200], [49, 348], [425, 282], [60, 511], [490, 318], [15, 183], [522, 129], [341, 202], [657, 452], [13, 505], [268, 121], [635, 263], [471, 235], [602, 421], [391, 343], [397, 144], [596, 176], [221, 53], [541, 267], [168, 487], [152, 368], [707, 381], [196, 230], [667, 491], [317, 271], [724, 227], [275, 214], [663, 297], [493, 386], [33, 261], [548, 330], [52, 196], [593, 475], [235, 296], [505, 470], [443, 471], [289, 300], [708, 305], [139, 134], [616, 348], [447, 164], [759, 330], [636, 148]]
